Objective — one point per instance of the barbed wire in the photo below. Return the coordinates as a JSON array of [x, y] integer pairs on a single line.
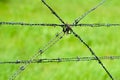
[[89, 11], [49, 60], [68, 29], [40, 52], [72, 59], [93, 53], [53, 12], [59, 25]]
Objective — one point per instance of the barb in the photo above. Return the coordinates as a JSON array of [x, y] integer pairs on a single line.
[[85, 14], [73, 59], [93, 53], [60, 25], [40, 52]]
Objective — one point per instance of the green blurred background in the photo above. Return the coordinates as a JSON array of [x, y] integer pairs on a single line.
[[17, 42]]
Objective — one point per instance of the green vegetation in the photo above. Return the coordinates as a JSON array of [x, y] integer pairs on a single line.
[[17, 42]]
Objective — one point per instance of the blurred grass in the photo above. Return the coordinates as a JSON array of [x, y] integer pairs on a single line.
[[22, 42]]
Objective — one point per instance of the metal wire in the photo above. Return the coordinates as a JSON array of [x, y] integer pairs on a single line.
[[67, 28], [40, 52], [49, 60], [85, 14], [52, 11], [93, 53], [59, 25]]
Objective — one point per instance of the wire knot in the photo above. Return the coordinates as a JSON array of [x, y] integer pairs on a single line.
[[67, 29]]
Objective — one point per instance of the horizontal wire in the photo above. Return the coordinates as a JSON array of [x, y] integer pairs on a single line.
[[55, 25], [46, 60]]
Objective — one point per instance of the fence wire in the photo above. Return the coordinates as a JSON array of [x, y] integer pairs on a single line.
[[89, 11], [67, 29], [60, 25], [72, 59], [52, 42]]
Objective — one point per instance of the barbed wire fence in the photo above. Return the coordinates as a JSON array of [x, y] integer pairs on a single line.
[[67, 29], [71, 59], [59, 25]]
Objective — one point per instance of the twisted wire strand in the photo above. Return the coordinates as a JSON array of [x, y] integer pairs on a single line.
[[52, 11], [88, 12], [60, 25], [50, 60], [40, 52]]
